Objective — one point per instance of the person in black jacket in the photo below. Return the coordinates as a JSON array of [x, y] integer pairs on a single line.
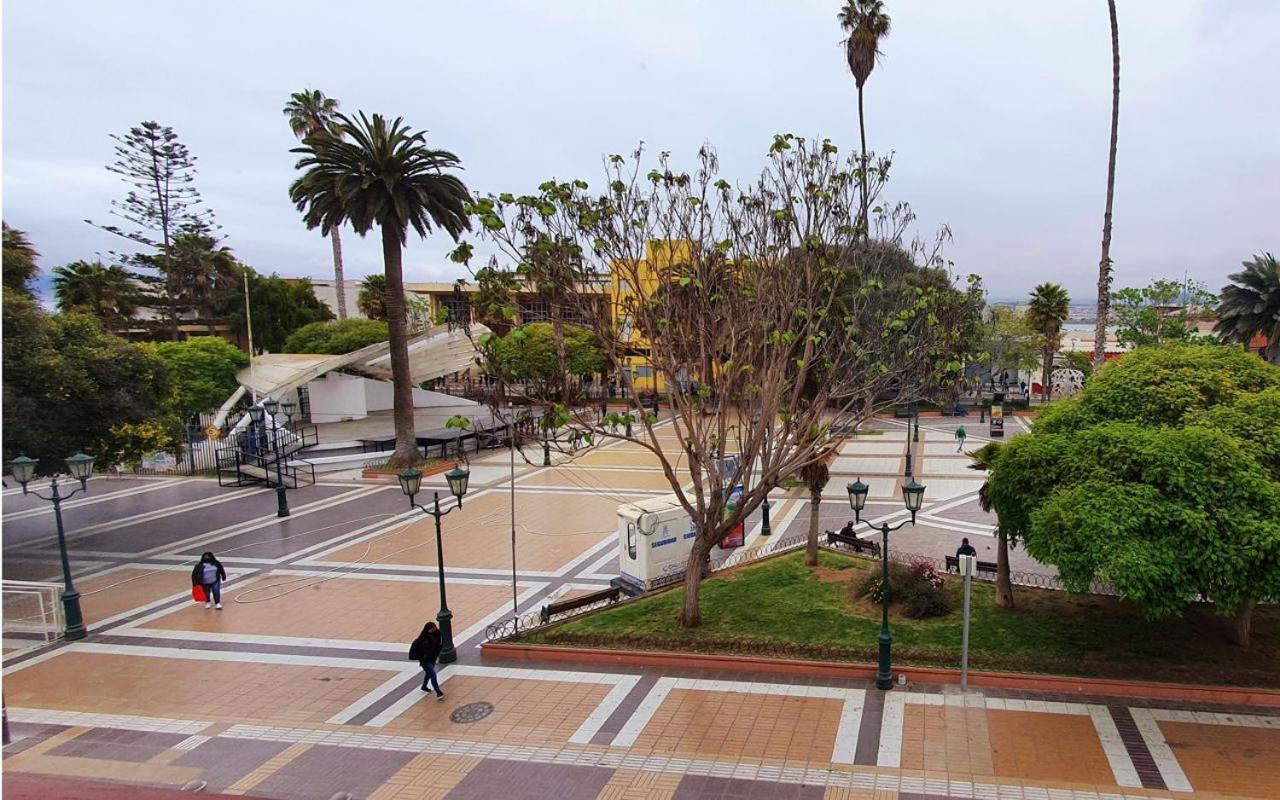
[[209, 574], [425, 650]]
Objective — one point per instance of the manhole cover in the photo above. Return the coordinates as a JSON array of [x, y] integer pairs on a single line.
[[471, 712]]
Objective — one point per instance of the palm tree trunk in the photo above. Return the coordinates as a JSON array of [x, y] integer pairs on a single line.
[[1004, 586], [1044, 374], [863, 221], [1104, 265], [406, 453], [339, 281], [811, 544]]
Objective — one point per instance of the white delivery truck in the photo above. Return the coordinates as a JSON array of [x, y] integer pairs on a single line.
[[655, 537]]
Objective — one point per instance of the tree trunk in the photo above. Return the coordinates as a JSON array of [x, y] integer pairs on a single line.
[[1242, 625], [863, 219], [1045, 388], [691, 613], [1004, 586], [406, 453], [811, 544], [1104, 265], [339, 281]]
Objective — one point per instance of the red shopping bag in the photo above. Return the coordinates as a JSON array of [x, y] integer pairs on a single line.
[[197, 593]]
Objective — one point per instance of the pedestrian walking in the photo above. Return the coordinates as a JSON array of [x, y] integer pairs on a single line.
[[209, 574], [425, 650], [960, 434]]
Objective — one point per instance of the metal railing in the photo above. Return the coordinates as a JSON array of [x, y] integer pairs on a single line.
[[32, 609]]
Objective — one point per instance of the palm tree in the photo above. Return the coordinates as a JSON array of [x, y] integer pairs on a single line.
[[866, 23], [1104, 265], [1251, 306], [207, 275], [1048, 310], [815, 475], [19, 261], [107, 293], [372, 298], [311, 113], [983, 458], [371, 172]]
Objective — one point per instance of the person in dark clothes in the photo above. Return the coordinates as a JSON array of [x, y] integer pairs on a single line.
[[847, 530], [965, 549], [210, 574], [425, 650]]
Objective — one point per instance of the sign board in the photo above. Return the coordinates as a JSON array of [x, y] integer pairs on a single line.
[[736, 537], [159, 462], [997, 415], [213, 432]]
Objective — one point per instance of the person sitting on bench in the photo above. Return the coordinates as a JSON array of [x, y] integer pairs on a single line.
[[965, 549], [847, 530]]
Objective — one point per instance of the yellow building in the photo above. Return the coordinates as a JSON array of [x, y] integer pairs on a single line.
[[646, 275]]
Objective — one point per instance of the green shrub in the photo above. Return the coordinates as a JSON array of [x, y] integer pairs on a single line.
[[336, 336]]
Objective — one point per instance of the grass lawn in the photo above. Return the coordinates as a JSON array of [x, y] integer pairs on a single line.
[[779, 607]]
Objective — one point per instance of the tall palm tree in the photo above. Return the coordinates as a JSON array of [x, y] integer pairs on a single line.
[[1104, 265], [867, 24], [1251, 305], [107, 293], [206, 273], [369, 173], [815, 475], [311, 113], [372, 298], [19, 261], [1048, 310]]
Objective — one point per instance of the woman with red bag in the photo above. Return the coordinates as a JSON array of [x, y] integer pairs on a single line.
[[209, 575]]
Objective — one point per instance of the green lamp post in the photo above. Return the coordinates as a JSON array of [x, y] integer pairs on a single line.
[[410, 484], [913, 497], [80, 467]]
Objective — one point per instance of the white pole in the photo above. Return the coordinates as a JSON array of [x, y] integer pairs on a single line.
[[248, 319], [966, 567]]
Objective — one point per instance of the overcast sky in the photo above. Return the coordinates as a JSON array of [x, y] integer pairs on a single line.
[[998, 112]]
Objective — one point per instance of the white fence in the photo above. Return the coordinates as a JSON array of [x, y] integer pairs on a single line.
[[32, 611]]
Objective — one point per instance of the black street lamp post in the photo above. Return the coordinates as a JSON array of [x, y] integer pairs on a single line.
[[410, 483], [259, 413], [912, 496], [80, 467], [765, 530]]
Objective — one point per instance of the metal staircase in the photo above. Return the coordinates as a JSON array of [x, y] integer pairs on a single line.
[[264, 455]]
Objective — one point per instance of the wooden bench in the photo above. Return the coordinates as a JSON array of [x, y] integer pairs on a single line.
[[953, 563], [551, 609], [835, 539]]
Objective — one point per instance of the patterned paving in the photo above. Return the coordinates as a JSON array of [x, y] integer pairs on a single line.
[[299, 687]]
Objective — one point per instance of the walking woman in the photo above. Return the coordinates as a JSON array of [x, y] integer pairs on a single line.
[[210, 574], [425, 650]]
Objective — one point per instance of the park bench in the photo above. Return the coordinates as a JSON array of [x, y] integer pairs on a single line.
[[835, 539], [953, 563], [551, 609]]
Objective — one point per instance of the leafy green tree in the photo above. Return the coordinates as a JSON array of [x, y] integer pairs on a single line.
[[106, 292], [1079, 360], [1251, 305], [372, 300], [19, 261], [1163, 311], [1153, 480], [202, 373], [528, 355], [336, 336], [866, 25], [311, 113], [68, 384], [279, 307], [373, 173], [1046, 313], [1010, 343]]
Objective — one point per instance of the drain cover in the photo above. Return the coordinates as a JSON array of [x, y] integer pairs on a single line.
[[471, 712]]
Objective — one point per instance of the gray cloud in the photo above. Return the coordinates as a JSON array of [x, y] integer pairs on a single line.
[[998, 113]]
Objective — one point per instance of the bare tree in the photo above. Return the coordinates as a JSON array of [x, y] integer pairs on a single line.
[[764, 297]]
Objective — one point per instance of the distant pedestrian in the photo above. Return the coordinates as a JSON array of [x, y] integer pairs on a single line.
[[965, 549], [425, 650], [210, 575], [960, 435]]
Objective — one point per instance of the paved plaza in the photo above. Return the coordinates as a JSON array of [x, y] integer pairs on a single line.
[[300, 687]]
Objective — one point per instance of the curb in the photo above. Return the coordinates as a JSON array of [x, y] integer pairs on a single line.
[[1228, 695]]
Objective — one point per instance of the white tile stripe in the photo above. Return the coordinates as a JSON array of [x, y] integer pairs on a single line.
[[1215, 718], [889, 753], [1174, 778], [850, 723], [591, 725], [1117, 754], [394, 710], [129, 722], [219, 655], [643, 713]]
